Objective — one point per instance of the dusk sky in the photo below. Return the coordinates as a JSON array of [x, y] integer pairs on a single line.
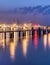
[[22, 3]]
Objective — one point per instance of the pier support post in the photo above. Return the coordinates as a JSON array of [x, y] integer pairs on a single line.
[[24, 33], [4, 35], [48, 31], [32, 31], [11, 34], [39, 32], [19, 34], [45, 31]]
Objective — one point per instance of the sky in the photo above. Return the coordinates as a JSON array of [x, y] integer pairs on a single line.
[[22, 3]]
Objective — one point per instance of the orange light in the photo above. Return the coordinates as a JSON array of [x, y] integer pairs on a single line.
[[45, 41]]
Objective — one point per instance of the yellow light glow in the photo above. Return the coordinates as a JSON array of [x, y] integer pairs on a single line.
[[3, 41], [49, 39], [25, 44], [12, 50], [45, 40], [13, 46]]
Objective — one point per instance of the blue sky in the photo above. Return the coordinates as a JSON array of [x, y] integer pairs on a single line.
[[22, 3]]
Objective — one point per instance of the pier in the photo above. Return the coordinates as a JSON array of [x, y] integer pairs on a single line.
[[22, 28]]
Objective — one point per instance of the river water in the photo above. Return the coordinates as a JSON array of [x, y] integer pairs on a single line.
[[26, 50]]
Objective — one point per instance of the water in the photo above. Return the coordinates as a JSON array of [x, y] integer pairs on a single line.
[[27, 50]]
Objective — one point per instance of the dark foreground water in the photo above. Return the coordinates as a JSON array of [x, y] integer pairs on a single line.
[[27, 50]]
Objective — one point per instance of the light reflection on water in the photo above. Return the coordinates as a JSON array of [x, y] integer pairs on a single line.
[[45, 40], [49, 40], [25, 43], [12, 44], [35, 39]]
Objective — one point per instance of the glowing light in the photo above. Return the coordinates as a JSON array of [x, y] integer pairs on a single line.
[[12, 50], [14, 25], [25, 45], [49, 39], [3, 41], [13, 46], [44, 27], [7, 38], [45, 40], [35, 39], [25, 25]]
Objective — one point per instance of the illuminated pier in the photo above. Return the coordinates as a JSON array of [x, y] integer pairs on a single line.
[[22, 28]]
